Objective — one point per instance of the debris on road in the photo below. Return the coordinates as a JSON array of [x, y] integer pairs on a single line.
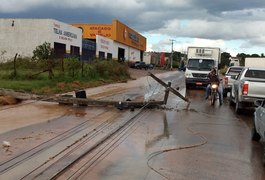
[[82, 100], [8, 100], [6, 144]]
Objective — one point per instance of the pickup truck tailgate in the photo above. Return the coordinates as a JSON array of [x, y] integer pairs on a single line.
[[256, 89]]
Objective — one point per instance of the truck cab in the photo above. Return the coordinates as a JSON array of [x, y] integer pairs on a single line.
[[197, 70], [200, 61]]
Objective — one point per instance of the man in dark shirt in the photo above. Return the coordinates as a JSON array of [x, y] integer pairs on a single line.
[[214, 78]]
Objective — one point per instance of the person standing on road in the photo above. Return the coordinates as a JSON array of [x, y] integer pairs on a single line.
[[214, 78]]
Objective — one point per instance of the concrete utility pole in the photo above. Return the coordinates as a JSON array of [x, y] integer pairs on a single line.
[[171, 58]]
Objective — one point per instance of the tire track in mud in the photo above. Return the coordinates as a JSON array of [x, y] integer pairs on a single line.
[[13, 166]]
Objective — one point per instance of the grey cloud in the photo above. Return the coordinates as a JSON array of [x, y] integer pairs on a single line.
[[161, 45], [216, 7], [209, 19], [227, 30], [258, 41]]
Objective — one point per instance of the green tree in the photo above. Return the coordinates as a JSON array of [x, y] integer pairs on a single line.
[[242, 57], [225, 59], [45, 53], [255, 55]]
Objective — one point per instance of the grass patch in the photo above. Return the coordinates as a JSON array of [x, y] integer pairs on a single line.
[[75, 76]]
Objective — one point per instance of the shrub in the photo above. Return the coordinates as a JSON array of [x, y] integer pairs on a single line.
[[45, 53], [73, 66]]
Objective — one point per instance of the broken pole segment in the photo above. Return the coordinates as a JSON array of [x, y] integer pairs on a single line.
[[81, 99], [120, 104], [167, 93], [167, 87]]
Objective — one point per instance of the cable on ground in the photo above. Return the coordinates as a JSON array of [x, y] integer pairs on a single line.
[[154, 154]]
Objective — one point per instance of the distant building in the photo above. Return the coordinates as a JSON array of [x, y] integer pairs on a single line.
[[22, 36], [147, 57], [153, 58], [115, 41], [234, 61], [87, 41]]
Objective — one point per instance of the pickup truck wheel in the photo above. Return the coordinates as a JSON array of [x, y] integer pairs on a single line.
[[255, 136], [231, 103], [238, 107], [263, 155]]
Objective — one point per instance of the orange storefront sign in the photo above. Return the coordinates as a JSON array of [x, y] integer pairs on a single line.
[[91, 30], [128, 36], [116, 31]]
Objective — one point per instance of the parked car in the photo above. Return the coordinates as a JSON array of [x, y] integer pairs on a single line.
[[230, 76], [248, 87], [150, 66], [142, 65], [258, 131]]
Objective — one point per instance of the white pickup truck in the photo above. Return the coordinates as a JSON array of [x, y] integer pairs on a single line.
[[229, 78], [248, 86]]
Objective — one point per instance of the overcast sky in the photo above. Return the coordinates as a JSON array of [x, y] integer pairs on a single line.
[[236, 26]]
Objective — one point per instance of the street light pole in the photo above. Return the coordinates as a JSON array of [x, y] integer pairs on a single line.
[[171, 58]]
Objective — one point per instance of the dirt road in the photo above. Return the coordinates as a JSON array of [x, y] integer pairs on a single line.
[[201, 142], [33, 112], [31, 137]]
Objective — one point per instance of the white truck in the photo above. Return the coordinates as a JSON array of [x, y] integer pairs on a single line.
[[200, 60], [234, 61], [255, 62]]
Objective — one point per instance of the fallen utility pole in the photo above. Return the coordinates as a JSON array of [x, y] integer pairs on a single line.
[[70, 100], [118, 104]]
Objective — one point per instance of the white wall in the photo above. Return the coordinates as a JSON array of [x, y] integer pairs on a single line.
[[131, 54], [109, 46], [116, 46], [147, 58], [18, 36], [134, 54], [22, 36], [255, 62], [104, 45], [66, 34]]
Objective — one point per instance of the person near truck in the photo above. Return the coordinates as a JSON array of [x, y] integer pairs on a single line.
[[214, 78]]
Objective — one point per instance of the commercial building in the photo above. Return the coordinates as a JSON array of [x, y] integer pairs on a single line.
[[22, 36], [105, 41], [114, 41]]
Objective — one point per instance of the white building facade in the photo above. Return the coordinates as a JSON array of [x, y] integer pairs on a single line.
[[22, 36], [109, 49]]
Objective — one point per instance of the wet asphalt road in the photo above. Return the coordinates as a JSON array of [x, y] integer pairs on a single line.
[[203, 142]]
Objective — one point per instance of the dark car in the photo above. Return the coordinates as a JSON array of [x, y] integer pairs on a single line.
[[142, 65]]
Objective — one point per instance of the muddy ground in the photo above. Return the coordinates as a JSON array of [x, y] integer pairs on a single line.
[[199, 142], [14, 114]]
